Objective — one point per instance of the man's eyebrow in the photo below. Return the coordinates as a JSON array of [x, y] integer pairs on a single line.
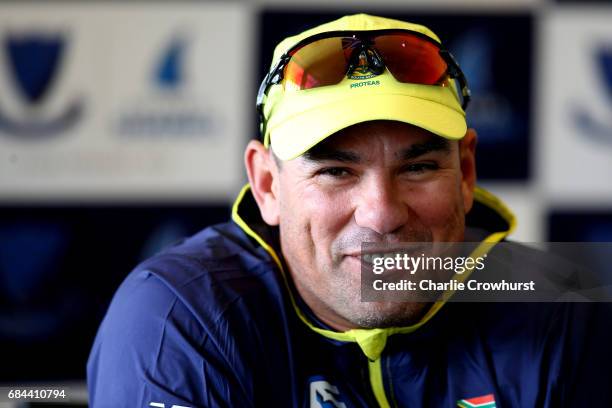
[[419, 149], [318, 154], [324, 153]]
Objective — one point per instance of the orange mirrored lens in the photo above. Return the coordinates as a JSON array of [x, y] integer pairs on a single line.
[[320, 63], [411, 58]]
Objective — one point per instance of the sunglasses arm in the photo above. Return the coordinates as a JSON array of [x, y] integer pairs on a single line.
[[455, 72], [273, 77]]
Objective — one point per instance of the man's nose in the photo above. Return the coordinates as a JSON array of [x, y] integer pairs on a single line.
[[380, 206]]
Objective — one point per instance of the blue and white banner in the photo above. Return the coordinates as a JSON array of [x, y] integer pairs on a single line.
[[575, 105], [123, 101]]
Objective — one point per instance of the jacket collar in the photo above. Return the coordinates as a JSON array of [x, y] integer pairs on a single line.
[[488, 215]]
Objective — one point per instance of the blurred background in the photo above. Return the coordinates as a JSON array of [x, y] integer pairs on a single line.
[[122, 126]]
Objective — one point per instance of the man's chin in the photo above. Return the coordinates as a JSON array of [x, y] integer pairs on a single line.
[[388, 314]]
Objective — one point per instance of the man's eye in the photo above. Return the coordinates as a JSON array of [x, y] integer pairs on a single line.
[[420, 167], [335, 172]]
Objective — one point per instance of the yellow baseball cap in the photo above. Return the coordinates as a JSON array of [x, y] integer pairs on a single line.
[[297, 119]]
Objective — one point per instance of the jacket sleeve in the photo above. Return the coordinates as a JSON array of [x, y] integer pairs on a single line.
[[151, 351]]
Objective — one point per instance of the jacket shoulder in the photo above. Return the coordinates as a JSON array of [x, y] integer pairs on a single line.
[[165, 337]]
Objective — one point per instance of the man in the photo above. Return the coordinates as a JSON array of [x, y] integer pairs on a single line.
[[364, 141]]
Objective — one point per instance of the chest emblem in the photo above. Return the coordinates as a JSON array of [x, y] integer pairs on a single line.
[[485, 401], [324, 395]]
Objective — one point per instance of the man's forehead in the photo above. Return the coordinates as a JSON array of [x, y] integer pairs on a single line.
[[402, 138]]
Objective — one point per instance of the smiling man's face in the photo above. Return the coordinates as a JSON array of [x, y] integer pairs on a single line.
[[382, 182]]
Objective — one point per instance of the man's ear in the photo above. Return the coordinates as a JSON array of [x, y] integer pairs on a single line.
[[467, 154], [263, 177]]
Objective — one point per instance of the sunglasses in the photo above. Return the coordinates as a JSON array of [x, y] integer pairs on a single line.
[[327, 58]]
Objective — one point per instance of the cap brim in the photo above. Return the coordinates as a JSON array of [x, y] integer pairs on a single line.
[[297, 134]]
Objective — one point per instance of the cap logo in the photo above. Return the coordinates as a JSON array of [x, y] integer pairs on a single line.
[[366, 64]]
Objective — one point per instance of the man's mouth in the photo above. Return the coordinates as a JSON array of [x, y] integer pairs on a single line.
[[371, 257]]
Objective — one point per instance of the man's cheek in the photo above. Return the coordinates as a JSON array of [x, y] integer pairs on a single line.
[[437, 214]]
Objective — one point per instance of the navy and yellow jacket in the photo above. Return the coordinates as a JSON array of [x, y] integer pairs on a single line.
[[213, 322]]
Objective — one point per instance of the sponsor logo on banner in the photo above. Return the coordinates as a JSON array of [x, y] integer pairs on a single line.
[[576, 108], [169, 107], [32, 62], [598, 127]]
